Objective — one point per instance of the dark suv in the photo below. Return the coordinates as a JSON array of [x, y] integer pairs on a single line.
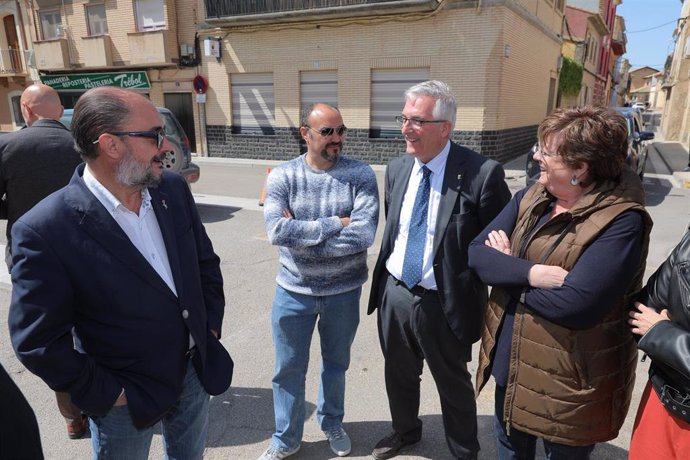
[[637, 146], [179, 159]]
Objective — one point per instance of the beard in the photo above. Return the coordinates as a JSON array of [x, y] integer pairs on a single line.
[[133, 173], [332, 157]]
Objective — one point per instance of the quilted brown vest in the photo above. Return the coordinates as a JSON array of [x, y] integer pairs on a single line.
[[568, 386]]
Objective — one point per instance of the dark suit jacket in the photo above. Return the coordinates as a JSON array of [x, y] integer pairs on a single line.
[[473, 193], [34, 162], [74, 267]]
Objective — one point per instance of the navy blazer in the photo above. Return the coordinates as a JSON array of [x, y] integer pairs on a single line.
[[473, 193], [75, 270]]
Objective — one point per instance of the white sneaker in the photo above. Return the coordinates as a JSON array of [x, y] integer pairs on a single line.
[[339, 441], [275, 453]]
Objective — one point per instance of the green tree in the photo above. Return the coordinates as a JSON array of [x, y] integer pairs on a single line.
[[571, 77]]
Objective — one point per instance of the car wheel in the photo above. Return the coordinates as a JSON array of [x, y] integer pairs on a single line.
[[173, 160]]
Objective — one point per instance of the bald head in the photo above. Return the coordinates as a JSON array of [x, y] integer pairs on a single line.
[[40, 101]]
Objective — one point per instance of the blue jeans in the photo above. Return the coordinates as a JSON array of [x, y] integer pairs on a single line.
[[293, 319], [523, 446], [114, 436]]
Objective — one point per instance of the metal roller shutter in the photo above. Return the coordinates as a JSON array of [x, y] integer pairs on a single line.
[[387, 98], [253, 107]]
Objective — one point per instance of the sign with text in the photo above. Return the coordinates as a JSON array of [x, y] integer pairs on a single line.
[[84, 81]]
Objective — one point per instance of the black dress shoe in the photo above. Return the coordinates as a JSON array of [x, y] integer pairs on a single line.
[[390, 446]]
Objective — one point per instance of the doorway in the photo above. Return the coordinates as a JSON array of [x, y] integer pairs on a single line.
[[180, 104], [12, 42]]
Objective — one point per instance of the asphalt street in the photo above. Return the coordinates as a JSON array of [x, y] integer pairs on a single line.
[[241, 419]]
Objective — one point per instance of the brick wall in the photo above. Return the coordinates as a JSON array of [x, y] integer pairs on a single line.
[[501, 145]]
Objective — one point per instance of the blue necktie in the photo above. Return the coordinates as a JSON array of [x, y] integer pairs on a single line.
[[416, 235]]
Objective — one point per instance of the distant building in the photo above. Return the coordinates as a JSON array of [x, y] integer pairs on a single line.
[[676, 119], [145, 45], [15, 62], [267, 59]]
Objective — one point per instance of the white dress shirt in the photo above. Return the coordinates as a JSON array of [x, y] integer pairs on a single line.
[[394, 264]]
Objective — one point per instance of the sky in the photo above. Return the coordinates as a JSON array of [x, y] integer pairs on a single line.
[[649, 47]]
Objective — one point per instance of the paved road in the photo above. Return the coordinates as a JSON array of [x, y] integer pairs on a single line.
[[242, 418]]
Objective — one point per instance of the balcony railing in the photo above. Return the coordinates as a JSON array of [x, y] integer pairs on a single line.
[[149, 47], [226, 8], [52, 54], [11, 61]]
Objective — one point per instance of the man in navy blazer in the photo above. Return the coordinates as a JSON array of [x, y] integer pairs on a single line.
[[430, 305], [120, 258]]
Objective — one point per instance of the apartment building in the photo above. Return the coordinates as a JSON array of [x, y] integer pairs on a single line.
[[619, 65], [267, 59], [15, 73], [589, 34], [144, 45], [640, 83], [675, 123]]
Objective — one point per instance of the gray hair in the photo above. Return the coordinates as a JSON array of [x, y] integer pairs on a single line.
[[446, 106], [98, 111]]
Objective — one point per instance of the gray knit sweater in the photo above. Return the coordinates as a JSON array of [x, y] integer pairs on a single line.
[[318, 256]]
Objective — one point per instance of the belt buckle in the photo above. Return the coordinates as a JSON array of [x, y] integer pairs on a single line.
[[190, 353]]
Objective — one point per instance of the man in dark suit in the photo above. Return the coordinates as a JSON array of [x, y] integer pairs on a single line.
[[121, 258], [34, 162], [430, 305]]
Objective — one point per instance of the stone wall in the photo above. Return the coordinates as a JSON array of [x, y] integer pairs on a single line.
[[501, 145]]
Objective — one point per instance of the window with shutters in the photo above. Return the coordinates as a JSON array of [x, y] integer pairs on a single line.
[[253, 108], [388, 88], [318, 86]]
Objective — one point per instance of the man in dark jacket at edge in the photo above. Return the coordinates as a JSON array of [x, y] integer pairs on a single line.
[[34, 162]]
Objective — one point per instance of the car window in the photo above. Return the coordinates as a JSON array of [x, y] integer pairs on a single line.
[[171, 129]]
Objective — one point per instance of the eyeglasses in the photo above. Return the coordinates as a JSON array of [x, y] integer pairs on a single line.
[[158, 134], [325, 132], [543, 152], [416, 123]]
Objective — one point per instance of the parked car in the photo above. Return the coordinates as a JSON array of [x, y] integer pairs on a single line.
[[179, 159], [637, 146], [641, 106]]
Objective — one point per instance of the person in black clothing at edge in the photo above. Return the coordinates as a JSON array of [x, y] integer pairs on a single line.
[[19, 435], [34, 162], [661, 321]]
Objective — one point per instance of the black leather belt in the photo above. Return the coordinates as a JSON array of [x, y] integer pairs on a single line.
[[417, 290]]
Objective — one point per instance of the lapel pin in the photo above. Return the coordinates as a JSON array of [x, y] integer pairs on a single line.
[[164, 204], [460, 176]]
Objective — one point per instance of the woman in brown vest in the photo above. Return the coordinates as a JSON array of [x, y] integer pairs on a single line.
[[564, 258], [662, 319]]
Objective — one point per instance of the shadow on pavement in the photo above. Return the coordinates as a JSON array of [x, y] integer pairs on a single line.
[[656, 190], [213, 213]]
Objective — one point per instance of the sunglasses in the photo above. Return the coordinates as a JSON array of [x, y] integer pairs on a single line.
[[325, 132], [157, 134]]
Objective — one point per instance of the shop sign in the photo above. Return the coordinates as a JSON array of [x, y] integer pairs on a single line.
[[84, 81]]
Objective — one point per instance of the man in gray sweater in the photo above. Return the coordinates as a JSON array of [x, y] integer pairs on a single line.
[[322, 210]]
